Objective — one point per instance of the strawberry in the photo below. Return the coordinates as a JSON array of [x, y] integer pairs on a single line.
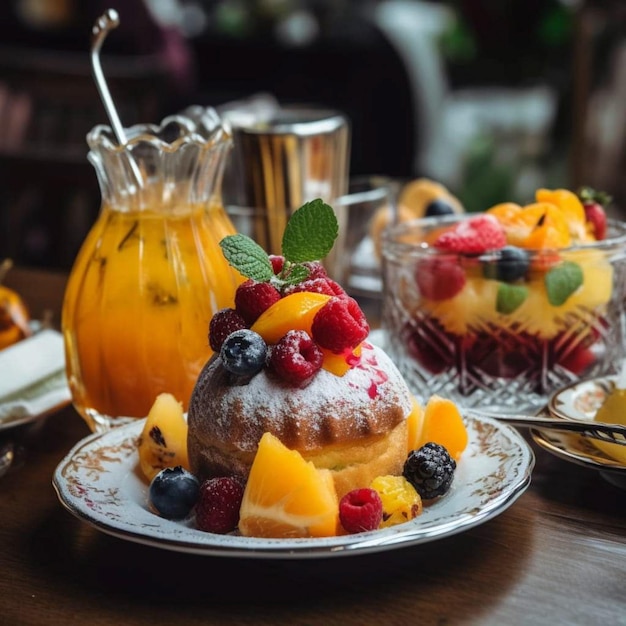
[[440, 277], [474, 235], [594, 203]]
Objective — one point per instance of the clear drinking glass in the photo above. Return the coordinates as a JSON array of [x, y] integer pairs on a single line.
[[463, 348], [150, 273]]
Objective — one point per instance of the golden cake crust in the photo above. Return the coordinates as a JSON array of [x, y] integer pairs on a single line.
[[336, 422]]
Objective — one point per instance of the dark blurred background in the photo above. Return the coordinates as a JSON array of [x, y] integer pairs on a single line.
[[493, 98]]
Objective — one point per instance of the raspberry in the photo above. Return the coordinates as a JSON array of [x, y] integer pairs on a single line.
[[361, 510], [316, 269], [222, 324], [277, 262], [339, 324], [440, 277], [321, 284], [430, 470], [296, 358], [474, 235], [217, 509], [252, 298]]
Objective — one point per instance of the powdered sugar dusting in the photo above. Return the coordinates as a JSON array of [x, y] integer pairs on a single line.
[[371, 397]]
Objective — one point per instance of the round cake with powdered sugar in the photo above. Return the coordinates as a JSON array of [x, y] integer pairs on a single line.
[[292, 359], [354, 424]]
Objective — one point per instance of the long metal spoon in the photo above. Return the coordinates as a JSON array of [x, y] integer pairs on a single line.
[[611, 433], [107, 22]]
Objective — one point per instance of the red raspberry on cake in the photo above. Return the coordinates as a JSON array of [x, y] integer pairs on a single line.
[[296, 358], [473, 235], [222, 324], [440, 277], [277, 262], [339, 324], [321, 284], [252, 299]]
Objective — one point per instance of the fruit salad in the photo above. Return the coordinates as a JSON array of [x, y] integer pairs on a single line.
[[501, 308], [292, 318]]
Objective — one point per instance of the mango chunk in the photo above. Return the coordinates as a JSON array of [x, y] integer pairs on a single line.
[[163, 439]]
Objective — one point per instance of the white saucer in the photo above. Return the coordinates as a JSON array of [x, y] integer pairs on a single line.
[[99, 482]]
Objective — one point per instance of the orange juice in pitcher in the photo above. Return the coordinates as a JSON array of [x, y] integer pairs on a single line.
[[150, 273]]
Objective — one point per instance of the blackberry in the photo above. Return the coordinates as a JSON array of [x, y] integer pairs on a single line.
[[244, 352], [430, 470]]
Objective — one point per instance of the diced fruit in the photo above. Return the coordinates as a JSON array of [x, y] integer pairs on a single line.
[[440, 277], [570, 206], [562, 281], [474, 235], [163, 439], [438, 207], [594, 205], [219, 502], [400, 500], [339, 364], [286, 496], [510, 297], [293, 312], [224, 322], [360, 510], [14, 314], [430, 470], [443, 424], [174, 492], [539, 226], [415, 421], [612, 411], [509, 264], [253, 298], [296, 358], [244, 353], [417, 195], [339, 325]]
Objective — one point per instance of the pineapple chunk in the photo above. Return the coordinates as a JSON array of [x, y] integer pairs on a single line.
[[163, 440]]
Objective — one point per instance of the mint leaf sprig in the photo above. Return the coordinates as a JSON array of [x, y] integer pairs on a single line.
[[309, 236]]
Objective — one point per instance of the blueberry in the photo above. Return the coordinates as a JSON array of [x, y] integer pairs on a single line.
[[244, 352], [174, 492], [510, 264], [438, 207]]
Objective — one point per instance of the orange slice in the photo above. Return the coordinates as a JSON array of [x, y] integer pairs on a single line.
[[506, 212], [415, 423], [443, 424], [546, 227], [571, 207], [293, 312], [286, 496]]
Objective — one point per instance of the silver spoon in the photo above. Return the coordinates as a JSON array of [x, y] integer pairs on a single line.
[[107, 22], [611, 433]]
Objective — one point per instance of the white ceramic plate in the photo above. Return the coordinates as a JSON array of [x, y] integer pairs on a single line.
[[100, 483], [580, 401]]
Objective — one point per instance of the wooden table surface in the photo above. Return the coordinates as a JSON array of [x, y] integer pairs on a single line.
[[556, 556]]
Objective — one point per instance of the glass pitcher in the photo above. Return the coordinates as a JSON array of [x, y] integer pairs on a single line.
[[150, 273]]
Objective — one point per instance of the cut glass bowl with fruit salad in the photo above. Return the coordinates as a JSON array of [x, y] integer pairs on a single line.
[[502, 308]]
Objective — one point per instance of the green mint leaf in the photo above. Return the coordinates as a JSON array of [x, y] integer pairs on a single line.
[[510, 297], [247, 257], [310, 232], [562, 281], [296, 275]]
